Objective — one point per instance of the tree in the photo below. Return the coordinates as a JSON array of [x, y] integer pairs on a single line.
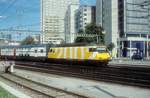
[[81, 40], [111, 46], [91, 28], [81, 31], [28, 41]]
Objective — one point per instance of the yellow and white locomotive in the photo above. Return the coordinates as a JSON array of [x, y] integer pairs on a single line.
[[97, 55]]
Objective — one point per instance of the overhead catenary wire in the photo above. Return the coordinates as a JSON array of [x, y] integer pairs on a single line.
[[14, 15], [24, 26], [9, 6], [27, 8]]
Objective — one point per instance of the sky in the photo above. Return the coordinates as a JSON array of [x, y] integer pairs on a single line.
[[22, 14], [14, 13]]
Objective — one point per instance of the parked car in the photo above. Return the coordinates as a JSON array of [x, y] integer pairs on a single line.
[[137, 56]]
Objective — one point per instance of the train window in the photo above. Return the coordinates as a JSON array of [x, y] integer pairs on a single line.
[[35, 51], [101, 49], [92, 49], [42, 51]]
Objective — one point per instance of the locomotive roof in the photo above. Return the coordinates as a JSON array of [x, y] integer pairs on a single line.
[[77, 44]]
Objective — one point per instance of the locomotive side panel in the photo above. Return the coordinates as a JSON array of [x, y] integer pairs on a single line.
[[78, 54]]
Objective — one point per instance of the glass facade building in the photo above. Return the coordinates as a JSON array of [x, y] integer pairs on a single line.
[[132, 24], [133, 17]]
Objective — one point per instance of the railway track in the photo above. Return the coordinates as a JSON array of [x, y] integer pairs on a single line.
[[122, 75], [43, 91]]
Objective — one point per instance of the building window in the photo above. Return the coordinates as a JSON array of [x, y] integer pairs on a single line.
[[85, 14]]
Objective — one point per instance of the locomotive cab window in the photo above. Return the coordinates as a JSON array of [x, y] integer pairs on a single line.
[[101, 50], [50, 50]]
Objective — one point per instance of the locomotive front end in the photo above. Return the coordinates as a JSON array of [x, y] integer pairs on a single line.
[[103, 54]]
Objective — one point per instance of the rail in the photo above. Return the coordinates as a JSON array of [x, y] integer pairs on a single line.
[[123, 75], [45, 90]]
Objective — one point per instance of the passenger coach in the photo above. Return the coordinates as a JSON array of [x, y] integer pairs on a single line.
[[25, 52]]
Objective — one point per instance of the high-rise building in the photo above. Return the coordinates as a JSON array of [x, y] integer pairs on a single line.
[[70, 26], [85, 15], [126, 23], [53, 14]]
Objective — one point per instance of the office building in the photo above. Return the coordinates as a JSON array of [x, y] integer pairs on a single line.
[[70, 26], [85, 15], [53, 14], [127, 25]]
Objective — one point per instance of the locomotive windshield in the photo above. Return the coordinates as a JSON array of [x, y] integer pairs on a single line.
[[102, 49]]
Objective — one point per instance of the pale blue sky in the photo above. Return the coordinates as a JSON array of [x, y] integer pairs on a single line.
[[23, 14]]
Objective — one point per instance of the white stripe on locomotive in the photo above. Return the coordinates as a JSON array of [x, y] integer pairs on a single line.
[[75, 53], [93, 55], [71, 55], [82, 53], [65, 53], [60, 52]]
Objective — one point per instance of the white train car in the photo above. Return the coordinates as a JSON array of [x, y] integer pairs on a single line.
[[8, 52], [25, 52]]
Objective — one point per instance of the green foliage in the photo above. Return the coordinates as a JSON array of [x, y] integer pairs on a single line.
[[81, 31], [84, 40], [91, 28], [94, 29], [5, 94], [111, 46], [28, 41]]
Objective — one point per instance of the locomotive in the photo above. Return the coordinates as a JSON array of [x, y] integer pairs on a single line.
[[72, 54]]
